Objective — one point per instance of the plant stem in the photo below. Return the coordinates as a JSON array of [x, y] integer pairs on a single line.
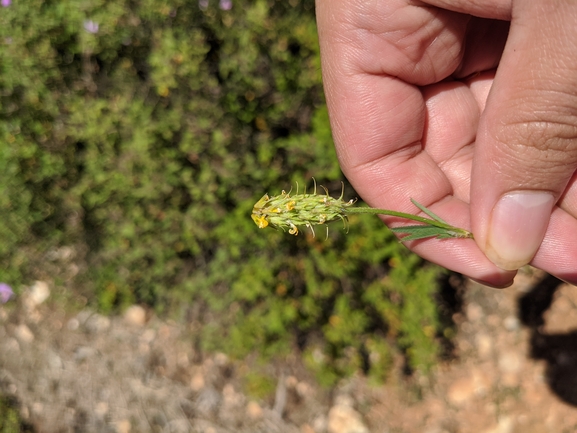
[[448, 230], [408, 216]]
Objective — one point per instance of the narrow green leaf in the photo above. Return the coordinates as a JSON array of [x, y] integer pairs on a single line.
[[422, 232], [429, 212]]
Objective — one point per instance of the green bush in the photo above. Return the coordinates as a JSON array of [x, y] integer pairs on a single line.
[[10, 421], [141, 134]]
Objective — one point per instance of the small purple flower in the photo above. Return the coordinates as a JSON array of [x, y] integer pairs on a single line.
[[225, 5], [91, 26], [6, 3], [203, 4], [6, 292]]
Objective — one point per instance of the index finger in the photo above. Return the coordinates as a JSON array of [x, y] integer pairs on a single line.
[[374, 57]]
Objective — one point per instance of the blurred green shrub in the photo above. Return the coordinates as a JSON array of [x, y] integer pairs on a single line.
[[10, 421], [141, 134]]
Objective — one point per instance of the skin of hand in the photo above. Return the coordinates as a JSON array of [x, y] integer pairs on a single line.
[[470, 108]]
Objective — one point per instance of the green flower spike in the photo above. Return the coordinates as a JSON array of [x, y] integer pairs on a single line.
[[288, 211]]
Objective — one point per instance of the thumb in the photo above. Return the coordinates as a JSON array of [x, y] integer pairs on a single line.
[[526, 149]]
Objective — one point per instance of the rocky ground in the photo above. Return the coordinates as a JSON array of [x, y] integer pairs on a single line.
[[514, 371]]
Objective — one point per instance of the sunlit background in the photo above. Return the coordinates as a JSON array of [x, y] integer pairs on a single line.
[[135, 137]]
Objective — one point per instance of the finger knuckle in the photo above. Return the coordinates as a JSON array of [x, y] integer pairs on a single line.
[[543, 137]]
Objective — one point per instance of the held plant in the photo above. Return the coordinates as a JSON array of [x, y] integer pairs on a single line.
[[286, 211]]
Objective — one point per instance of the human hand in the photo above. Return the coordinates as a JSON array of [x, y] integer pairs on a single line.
[[431, 102]]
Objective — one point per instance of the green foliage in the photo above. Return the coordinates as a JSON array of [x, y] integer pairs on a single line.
[[10, 421], [144, 144], [258, 385]]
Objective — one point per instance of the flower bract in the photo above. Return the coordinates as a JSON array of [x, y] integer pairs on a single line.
[[287, 212]]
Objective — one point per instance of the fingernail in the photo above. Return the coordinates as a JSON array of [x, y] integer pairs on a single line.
[[517, 226], [492, 284]]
